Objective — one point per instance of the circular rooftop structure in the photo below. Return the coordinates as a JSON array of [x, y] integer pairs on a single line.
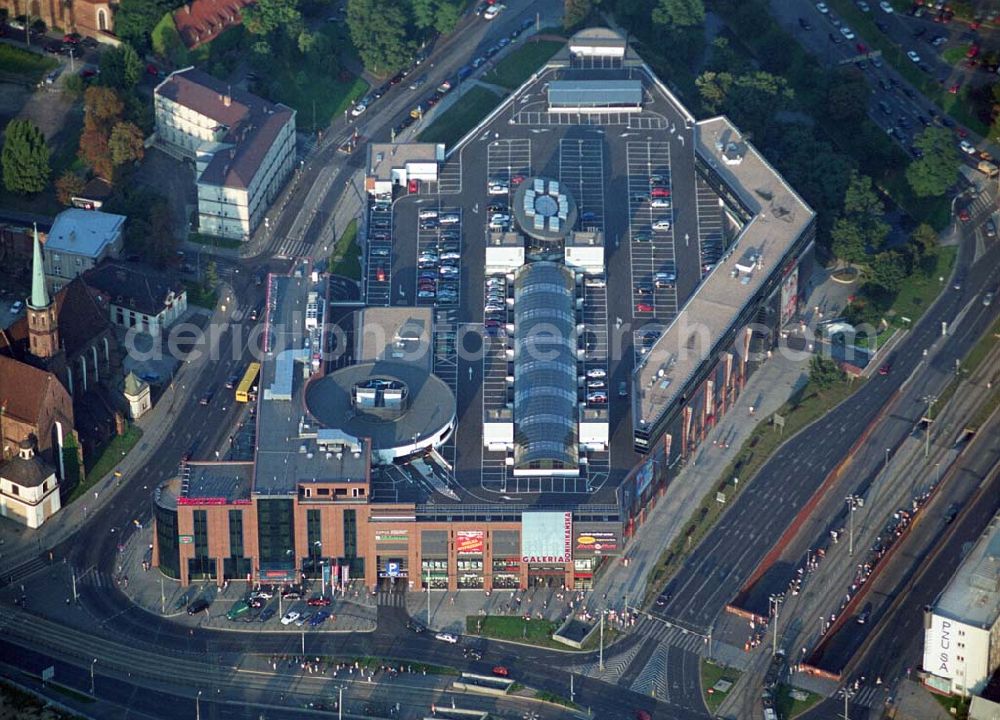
[[402, 408], [544, 209]]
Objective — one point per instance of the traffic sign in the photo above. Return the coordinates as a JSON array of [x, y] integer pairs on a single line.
[[185, 539]]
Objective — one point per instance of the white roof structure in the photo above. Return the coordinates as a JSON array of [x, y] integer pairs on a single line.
[[84, 232]]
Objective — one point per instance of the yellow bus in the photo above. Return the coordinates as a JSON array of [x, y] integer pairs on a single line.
[[246, 390]]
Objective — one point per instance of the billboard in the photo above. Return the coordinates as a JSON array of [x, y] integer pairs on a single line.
[[400, 535], [546, 537], [598, 540], [789, 295], [469, 542], [644, 477], [939, 646]]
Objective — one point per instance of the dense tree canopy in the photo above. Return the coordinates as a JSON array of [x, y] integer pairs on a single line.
[[135, 20], [935, 172], [679, 13], [575, 12], [379, 32], [121, 68], [25, 158]]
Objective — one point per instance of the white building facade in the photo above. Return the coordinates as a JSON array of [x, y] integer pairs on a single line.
[[243, 148], [29, 491], [962, 628]]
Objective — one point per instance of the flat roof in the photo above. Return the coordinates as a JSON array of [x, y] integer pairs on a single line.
[[602, 93], [780, 217], [287, 449], [972, 596], [83, 232], [383, 158], [428, 407], [215, 483], [394, 333]]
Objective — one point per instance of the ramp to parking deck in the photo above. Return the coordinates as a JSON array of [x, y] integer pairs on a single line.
[[483, 684]]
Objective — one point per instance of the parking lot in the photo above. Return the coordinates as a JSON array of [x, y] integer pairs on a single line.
[[605, 169], [711, 238], [654, 264], [581, 172], [378, 265]]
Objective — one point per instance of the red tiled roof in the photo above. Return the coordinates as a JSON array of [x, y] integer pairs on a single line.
[[253, 123], [22, 388], [200, 21]]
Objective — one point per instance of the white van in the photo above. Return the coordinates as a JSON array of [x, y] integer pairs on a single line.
[[427, 214]]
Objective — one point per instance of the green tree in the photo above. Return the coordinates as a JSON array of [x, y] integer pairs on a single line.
[[824, 372], [863, 206], [679, 13], [888, 271], [25, 158], [714, 87], [847, 241], [845, 98], [166, 41], [121, 68], [68, 186], [265, 16], [723, 59], [756, 96], [925, 240], [211, 276], [449, 12], [135, 20], [575, 12], [378, 31], [125, 143], [935, 172]]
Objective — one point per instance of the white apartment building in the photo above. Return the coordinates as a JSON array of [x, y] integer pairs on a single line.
[[962, 628], [243, 148]]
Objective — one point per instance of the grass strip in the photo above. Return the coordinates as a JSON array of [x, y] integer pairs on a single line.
[[514, 628], [465, 114], [346, 257], [517, 67], [712, 673], [113, 454]]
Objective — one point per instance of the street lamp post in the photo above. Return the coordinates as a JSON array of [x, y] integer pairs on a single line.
[[94, 662], [931, 399], [854, 502], [846, 693], [600, 662], [197, 706], [887, 451], [774, 602]]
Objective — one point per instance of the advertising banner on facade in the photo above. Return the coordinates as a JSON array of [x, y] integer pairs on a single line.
[[596, 541], [469, 542], [400, 535], [345, 574], [644, 478], [789, 295], [546, 537]]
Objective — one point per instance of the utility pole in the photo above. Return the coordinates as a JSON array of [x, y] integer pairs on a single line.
[[572, 696], [163, 599], [600, 662], [931, 399], [197, 706], [76, 598], [303, 642], [92, 677], [340, 703], [428, 598], [853, 503]]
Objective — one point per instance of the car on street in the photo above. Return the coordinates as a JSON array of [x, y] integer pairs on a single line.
[[16, 307], [318, 601], [886, 6], [446, 637], [493, 11], [805, 24], [847, 32], [623, 389], [598, 397], [596, 373], [206, 398], [821, 6], [358, 109], [913, 56], [662, 224], [319, 618], [643, 308], [967, 147], [501, 671], [990, 227], [418, 82], [964, 216], [885, 369], [198, 606]]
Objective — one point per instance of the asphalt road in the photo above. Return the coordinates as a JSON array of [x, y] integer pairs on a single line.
[[899, 643], [726, 557]]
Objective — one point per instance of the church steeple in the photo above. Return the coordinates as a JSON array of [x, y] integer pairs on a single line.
[[39, 292], [43, 326]]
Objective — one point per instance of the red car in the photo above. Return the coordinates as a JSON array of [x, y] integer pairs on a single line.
[[963, 215], [413, 186], [972, 51], [954, 88], [659, 192], [862, 48], [318, 601], [517, 179], [72, 38], [642, 715], [380, 273], [885, 369], [644, 308], [501, 671]]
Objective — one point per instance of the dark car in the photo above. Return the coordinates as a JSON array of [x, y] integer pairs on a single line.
[[319, 601], [415, 626], [206, 398], [805, 24], [266, 614], [198, 606]]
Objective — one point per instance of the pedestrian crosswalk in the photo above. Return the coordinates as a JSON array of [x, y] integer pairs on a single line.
[[671, 635], [870, 696], [450, 178], [289, 248], [391, 598]]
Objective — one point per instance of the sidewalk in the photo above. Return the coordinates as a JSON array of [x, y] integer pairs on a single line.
[[20, 546]]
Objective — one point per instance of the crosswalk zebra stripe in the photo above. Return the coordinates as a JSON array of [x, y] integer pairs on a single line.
[[653, 678]]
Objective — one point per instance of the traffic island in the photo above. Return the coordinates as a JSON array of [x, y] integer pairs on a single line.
[[514, 629], [716, 682]]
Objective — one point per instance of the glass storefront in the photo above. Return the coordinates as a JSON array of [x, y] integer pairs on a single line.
[[583, 573], [436, 570], [167, 541], [470, 574], [506, 573]]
